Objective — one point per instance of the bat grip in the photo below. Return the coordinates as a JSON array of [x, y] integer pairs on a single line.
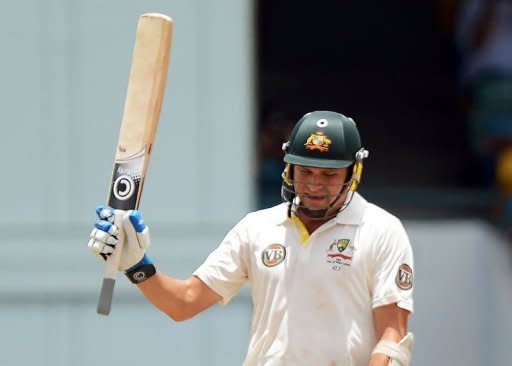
[[111, 269]]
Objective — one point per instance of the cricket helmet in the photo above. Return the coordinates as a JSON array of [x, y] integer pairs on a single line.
[[324, 139]]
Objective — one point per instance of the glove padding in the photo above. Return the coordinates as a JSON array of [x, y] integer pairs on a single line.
[[105, 235]]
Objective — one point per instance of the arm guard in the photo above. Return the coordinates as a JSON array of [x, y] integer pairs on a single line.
[[399, 353]]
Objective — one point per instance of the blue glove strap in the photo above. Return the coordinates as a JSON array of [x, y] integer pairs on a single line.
[[141, 271], [144, 261]]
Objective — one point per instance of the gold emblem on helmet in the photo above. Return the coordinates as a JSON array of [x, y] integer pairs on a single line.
[[318, 141]]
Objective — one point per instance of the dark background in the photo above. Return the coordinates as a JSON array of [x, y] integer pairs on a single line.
[[393, 68]]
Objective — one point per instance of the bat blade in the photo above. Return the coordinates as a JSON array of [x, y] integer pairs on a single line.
[[146, 86]]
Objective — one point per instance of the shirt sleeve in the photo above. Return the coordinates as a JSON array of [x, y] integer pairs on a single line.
[[393, 268], [225, 269]]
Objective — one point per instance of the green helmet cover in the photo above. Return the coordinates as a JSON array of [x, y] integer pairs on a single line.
[[323, 139]]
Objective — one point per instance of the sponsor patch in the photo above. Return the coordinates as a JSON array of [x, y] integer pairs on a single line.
[[404, 277], [273, 255], [318, 141]]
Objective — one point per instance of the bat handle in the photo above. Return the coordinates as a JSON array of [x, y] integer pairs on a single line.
[[109, 278]]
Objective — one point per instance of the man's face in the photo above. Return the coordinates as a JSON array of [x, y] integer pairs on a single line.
[[317, 188]]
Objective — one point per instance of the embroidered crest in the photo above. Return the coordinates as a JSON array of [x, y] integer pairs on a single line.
[[404, 277], [273, 255], [340, 252], [318, 141], [342, 244]]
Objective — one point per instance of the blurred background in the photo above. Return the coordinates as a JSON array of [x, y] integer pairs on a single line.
[[429, 84]]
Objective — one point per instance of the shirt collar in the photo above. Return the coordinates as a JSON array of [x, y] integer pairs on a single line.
[[353, 213], [282, 214]]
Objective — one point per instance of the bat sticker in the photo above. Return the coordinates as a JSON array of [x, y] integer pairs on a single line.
[[124, 186], [126, 182]]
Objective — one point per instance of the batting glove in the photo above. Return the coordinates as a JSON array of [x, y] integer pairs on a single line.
[[105, 236]]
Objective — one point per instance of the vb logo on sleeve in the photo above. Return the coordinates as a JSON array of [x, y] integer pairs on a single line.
[[404, 277]]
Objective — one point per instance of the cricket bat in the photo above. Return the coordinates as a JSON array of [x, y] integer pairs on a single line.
[[146, 86]]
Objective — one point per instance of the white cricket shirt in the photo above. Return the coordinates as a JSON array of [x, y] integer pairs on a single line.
[[313, 295]]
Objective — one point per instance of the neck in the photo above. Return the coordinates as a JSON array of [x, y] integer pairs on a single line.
[[313, 223]]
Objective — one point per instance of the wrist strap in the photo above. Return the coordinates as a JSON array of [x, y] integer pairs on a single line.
[[141, 271]]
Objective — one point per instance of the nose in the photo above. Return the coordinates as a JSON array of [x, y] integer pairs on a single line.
[[314, 183]]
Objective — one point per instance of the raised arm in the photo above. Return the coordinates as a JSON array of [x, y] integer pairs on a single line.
[[180, 299]]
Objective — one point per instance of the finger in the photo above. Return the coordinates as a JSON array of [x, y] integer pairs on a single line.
[[105, 213], [136, 220], [143, 239], [108, 249], [100, 248], [103, 237], [138, 228], [107, 226], [95, 246]]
